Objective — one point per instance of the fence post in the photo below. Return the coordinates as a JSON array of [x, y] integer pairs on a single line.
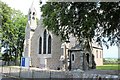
[[50, 75], [20, 72], [32, 73], [2, 67], [9, 70]]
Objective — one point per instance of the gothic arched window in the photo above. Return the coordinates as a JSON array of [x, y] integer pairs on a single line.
[[40, 45], [44, 42], [49, 44]]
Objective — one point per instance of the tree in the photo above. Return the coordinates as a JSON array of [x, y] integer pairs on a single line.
[[19, 22], [5, 12], [84, 20], [12, 32]]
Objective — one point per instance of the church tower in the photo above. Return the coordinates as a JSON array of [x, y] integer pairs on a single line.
[[32, 17], [30, 29]]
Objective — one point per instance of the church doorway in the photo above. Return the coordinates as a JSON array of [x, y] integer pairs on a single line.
[[87, 57]]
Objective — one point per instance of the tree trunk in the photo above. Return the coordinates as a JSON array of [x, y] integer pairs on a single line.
[[20, 56], [16, 56]]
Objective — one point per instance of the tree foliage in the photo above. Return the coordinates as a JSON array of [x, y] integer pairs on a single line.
[[12, 32], [84, 20]]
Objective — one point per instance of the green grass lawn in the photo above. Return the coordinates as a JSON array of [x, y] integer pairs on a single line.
[[109, 67]]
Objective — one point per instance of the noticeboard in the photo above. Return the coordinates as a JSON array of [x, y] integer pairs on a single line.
[[25, 61]]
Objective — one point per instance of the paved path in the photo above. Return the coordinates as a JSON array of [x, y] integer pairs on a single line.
[[108, 72]]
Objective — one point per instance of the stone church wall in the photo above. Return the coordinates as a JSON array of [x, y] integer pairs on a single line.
[[78, 63], [52, 60], [35, 46], [98, 55]]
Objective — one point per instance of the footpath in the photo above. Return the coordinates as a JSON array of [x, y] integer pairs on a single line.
[[104, 74], [109, 72]]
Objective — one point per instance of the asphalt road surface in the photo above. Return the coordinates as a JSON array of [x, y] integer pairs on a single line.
[[4, 77]]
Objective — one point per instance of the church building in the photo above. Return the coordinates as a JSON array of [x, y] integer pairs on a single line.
[[47, 51]]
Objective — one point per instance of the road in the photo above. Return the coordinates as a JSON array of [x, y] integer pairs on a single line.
[[3, 77], [0, 76]]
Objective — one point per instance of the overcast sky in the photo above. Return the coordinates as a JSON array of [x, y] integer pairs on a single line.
[[24, 5]]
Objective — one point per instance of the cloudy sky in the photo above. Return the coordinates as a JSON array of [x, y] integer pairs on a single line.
[[24, 5]]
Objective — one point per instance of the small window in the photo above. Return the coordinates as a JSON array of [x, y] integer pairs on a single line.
[[87, 56], [96, 53], [29, 12], [29, 15], [100, 54], [33, 13], [33, 18], [73, 57]]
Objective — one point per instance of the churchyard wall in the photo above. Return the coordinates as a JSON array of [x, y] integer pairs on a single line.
[[51, 74]]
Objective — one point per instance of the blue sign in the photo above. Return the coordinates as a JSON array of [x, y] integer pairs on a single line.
[[25, 62]]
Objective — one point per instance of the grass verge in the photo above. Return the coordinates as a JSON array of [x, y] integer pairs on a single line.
[[109, 67]]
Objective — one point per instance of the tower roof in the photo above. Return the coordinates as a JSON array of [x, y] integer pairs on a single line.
[[32, 7], [35, 7]]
